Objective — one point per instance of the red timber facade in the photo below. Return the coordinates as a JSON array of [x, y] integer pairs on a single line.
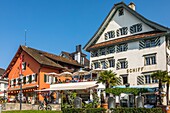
[[38, 63]]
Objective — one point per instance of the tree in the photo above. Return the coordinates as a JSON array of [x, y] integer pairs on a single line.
[[167, 80], [108, 78], [160, 75]]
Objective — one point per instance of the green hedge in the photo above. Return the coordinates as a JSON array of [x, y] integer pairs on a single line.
[[83, 110], [31, 111], [137, 110]]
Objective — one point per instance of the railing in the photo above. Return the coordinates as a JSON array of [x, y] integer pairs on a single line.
[[74, 81]]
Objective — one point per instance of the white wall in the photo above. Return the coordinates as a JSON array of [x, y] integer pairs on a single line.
[[135, 59], [125, 20]]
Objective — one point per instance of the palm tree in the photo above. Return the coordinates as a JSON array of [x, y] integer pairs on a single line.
[[108, 78], [160, 75], [167, 80]]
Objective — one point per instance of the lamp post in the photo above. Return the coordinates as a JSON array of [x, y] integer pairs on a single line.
[[4, 95], [21, 77]]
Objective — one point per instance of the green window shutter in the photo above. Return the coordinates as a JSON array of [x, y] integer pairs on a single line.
[[126, 64], [30, 78], [45, 78], [35, 78], [118, 65], [24, 80], [56, 79]]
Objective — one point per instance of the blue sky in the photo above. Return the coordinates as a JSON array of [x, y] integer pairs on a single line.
[[60, 25]]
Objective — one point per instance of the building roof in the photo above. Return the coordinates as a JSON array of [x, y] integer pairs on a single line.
[[43, 58], [125, 39], [49, 58], [40, 57], [66, 54], [103, 26]]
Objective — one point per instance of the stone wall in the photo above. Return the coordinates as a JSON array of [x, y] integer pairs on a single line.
[[16, 106]]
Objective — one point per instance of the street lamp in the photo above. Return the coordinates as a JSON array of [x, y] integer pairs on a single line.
[[4, 95], [20, 77]]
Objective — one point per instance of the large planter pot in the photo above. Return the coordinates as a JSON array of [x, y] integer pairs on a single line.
[[105, 105], [168, 109]]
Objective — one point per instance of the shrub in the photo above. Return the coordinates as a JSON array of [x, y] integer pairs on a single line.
[[83, 110], [73, 110], [95, 110], [136, 110]]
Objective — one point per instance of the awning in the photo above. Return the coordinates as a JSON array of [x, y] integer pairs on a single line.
[[71, 86], [137, 86]]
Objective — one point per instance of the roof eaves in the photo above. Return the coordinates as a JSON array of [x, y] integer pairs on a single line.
[[113, 10], [156, 35]]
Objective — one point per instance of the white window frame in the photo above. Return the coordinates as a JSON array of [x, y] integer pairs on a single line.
[[95, 65], [124, 62], [17, 81], [112, 62], [103, 66], [27, 79], [150, 60]]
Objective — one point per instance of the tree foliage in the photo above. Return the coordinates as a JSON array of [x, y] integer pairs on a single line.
[[118, 91], [160, 75], [107, 77]]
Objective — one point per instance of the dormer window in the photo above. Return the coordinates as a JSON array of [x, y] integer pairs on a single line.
[[121, 11]]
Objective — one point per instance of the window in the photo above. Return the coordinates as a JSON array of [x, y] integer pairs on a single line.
[[103, 52], [24, 79], [45, 78], [95, 53], [30, 79], [123, 64], [135, 28], [122, 47], [111, 49], [27, 79], [34, 77], [111, 63], [123, 31], [125, 79], [82, 60], [149, 79], [103, 64], [154, 80], [6, 86], [149, 43], [121, 12], [17, 81], [150, 60], [96, 65]]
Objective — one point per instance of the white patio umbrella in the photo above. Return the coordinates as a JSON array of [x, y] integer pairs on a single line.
[[81, 72], [66, 74], [53, 74]]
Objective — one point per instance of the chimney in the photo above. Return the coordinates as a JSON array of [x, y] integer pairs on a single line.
[[78, 48], [132, 6]]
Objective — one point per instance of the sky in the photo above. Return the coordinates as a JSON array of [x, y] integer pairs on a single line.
[[59, 25]]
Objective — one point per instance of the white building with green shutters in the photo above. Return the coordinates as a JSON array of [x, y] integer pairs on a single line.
[[130, 45]]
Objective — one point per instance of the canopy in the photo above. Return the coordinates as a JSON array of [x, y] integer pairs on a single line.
[[137, 86], [66, 74], [71, 86], [53, 74], [81, 72]]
